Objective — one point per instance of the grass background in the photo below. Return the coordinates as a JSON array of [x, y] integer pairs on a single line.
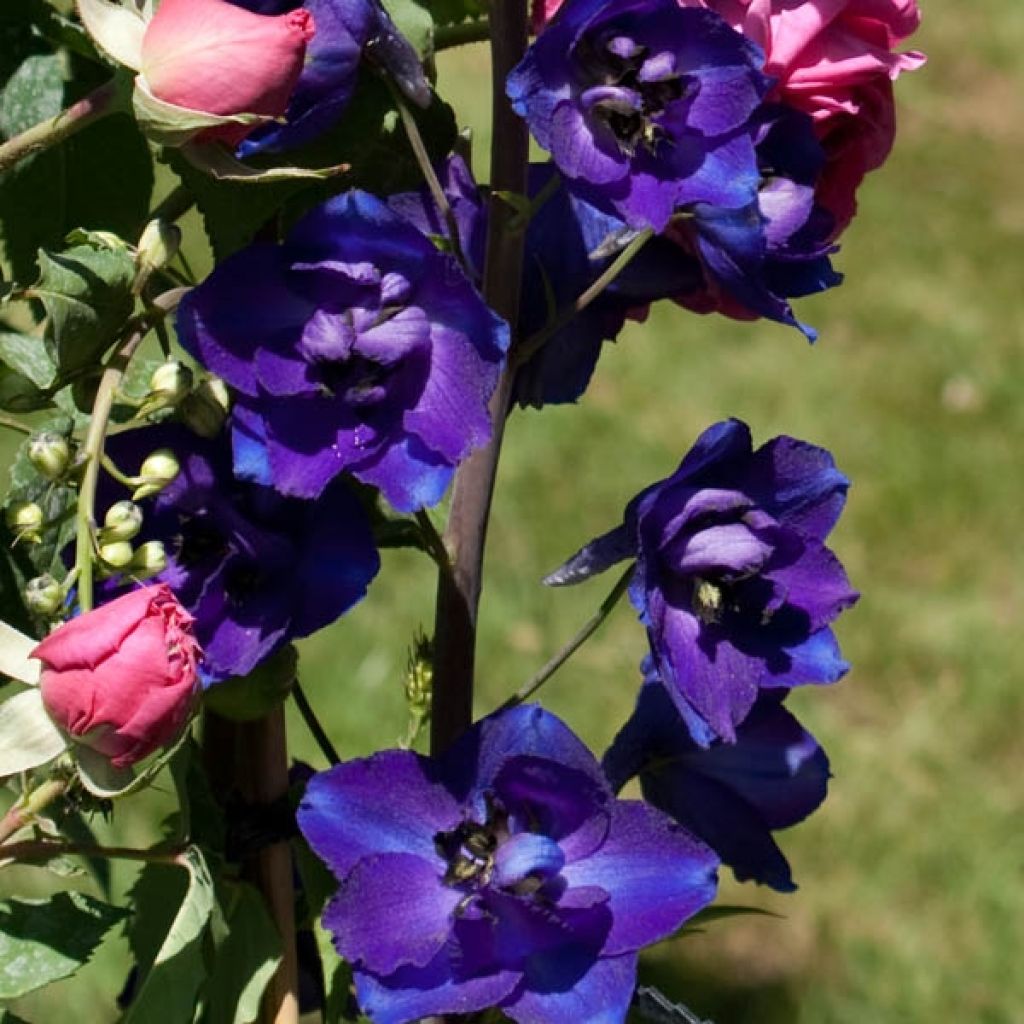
[[911, 906]]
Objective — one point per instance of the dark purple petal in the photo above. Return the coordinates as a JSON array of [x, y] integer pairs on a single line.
[[601, 996], [380, 891], [816, 584], [388, 803], [593, 558], [656, 874]]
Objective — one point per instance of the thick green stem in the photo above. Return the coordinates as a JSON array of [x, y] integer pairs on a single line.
[[458, 591], [29, 806], [586, 631], [92, 449], [101, 102]]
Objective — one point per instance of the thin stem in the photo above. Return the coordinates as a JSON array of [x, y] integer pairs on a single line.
[[458, 591], [47, 849], [448, 36], [122, 478], [536, 341], [433, 540], [101, 102], [92, 449], [412, 132], [29, 806], [323, 741], [589, 628], [12, 424]]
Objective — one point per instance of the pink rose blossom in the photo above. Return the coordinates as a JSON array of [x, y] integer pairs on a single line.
[[212, 56], [122, 678]]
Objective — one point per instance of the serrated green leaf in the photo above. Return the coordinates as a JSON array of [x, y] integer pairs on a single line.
[[244, 962], [87, 295], [34, 93], [28, 356], [44, 940], [453, 12], [174, 970]]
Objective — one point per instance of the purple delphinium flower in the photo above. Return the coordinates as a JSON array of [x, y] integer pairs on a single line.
[[731, 795], [733, 580], [255, 569], [757, 257], [355, 345], [644, 105], [564, 243], [345, 30], [519, 880]]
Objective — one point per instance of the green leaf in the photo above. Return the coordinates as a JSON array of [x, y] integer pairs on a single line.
[[34, 93], [414, 21], [244, 962], [452, 12], [170, 958], [6, 1017], [28, 356], [44, 940], [19, 394], [87, 294]]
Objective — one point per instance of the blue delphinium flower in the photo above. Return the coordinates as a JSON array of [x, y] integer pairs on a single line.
[[757, 257], [255, 569], [345, 31], [731, 795], [644, 105], [733, 579], [566, 251], [517, 877], [354, 346]]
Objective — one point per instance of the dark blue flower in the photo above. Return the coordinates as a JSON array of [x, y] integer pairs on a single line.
[[355, 346], [566, 251], [345, 31], [519, 881], [255, 569], [645, 105], [757, 257], [733, 579], [731, 795]]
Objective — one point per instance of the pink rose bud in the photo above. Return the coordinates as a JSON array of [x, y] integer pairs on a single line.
[[211, 56], [122, 678]]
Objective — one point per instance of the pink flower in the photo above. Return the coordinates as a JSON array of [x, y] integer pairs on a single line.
[[211, 56], [122, 679]]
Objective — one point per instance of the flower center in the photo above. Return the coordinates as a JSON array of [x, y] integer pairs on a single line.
[[631, 90], [708, 601]]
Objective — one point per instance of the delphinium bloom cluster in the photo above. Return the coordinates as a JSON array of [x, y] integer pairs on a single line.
[[350, 361]]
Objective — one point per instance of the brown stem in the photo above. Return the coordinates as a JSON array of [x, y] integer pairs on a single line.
[[99, 103], [251, 758], [458, 591], [47, 849]]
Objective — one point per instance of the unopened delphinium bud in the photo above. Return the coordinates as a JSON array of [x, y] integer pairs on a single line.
[[150, 559], [122, 522], [206, 408], [25, 520], [43, 595], [170, 383], [117, 554], [50, 454], [156, 473], [158, 245]]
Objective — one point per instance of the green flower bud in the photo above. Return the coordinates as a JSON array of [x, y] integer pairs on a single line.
[[117, 554], [419, 675], [24, 519], [168, 386], [156, 473], [149, 559], [43, 596], [158, 245], [205, 410], [122, 522], [50, 454]]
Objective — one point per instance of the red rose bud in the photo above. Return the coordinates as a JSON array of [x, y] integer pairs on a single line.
[[210, 56], [122, 679]]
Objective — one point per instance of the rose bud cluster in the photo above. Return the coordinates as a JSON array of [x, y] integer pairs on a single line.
[[123, 678]]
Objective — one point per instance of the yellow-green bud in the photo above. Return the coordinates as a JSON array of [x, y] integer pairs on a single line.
[[156, 473], [117, 554], [205, 410], [122, 522], [50, 453], [24, 519], [419, 675], [170, 383], [149, 559], [43, 595], [158, 245]]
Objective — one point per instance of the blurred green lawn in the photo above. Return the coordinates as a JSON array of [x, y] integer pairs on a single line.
[[911, 906]]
